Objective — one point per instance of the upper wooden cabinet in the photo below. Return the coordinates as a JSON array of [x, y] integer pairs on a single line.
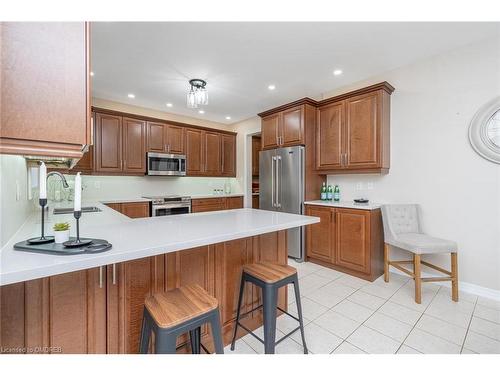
[[41, 64], [195, 156], [165, 138], [349, 240], [283, 129], [228, 145], [352, 132], [134, 146], [256, 147], [212, 150], [108, 143]]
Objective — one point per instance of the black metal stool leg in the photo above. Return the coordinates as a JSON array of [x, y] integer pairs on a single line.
[[145, 334], [195, 339], [217, 333], [165, 344], [299, 311], [240, 298], [270, 297]]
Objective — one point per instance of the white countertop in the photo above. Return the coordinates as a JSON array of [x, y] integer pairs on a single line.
[[137, 238], [346, 204]]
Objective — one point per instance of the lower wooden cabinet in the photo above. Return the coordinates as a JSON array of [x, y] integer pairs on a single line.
[[100, 310], [133, 210], [349, 240], [216, 204], [255, 201]]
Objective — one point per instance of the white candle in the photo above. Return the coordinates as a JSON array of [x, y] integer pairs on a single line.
[[78, 192], [43, 181]]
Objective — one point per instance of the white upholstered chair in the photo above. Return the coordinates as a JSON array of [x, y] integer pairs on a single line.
[[402, 229]]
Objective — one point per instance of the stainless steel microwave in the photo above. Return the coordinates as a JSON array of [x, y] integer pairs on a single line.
[[165, 164]]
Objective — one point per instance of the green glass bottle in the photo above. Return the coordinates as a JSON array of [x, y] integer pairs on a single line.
[[336, 193], [323, 192], [329, 193]]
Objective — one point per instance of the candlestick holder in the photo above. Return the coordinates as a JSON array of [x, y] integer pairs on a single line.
[[42, 239], [77, 242]]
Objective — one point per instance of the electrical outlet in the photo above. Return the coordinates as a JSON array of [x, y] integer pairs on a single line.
[[370, 186]]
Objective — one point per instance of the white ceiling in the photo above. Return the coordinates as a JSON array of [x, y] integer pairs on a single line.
[[154, 61]]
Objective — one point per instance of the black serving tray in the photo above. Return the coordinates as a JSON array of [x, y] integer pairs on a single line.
[[96, 246]]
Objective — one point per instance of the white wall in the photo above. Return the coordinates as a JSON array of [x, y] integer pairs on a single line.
[[13, 211], [432, 162]]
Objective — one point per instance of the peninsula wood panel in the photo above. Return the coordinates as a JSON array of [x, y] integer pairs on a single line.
[[40, 63], [82, 312], [134, 146]]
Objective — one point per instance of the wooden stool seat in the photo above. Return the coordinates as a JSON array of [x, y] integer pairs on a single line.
[[269, 272], [174, 307]]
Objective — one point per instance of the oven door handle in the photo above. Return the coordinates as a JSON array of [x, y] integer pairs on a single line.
[[180, 205]]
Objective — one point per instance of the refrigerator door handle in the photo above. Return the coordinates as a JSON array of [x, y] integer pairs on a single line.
[[272, 180], [278, 178]]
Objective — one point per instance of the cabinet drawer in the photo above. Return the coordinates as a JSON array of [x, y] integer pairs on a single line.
[[207, 204]]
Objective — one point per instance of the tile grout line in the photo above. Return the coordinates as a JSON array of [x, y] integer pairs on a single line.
[[468, 326], [415, 325]]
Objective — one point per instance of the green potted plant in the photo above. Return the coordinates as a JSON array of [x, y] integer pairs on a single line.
[[61, 232]]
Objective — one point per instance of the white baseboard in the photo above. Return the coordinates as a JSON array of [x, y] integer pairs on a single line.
[[475, 289]]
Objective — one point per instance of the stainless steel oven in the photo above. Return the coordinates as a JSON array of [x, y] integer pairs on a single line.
[[159, 164], [170, 205]]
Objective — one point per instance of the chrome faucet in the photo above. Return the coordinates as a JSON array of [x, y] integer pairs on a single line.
[[64, 182]]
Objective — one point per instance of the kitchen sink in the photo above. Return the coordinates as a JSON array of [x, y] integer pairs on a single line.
[[69, 210]]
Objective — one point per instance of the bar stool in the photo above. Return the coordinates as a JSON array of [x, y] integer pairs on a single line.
[[269, 277], [185, 309]]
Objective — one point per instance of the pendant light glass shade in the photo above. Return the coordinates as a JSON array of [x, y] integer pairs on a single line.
[[191, 99], [198, 94]]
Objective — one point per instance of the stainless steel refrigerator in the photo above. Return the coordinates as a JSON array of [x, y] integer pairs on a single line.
[[281, 187]]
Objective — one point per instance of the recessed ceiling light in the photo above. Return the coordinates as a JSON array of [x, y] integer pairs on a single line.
[[201, 111], [91, 74], [169, 105], [337, 72], [131, 96], [228, 117], [271, 87]]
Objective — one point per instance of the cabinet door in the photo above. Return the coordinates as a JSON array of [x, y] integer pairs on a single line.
[[321, 236], [44, 91], [212, 145], [270, 127], [156, 137], [292, 127], [353, 236], [194, 152], [255, 201], [256, 147], [233, 203], [207, 204], [135, 210], [128, 285], [175, 139], [108, 143], [134, 146], [329, 136], [362, 142], [228, 143]]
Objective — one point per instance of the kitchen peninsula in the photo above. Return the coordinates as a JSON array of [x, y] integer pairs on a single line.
[[92, 303]]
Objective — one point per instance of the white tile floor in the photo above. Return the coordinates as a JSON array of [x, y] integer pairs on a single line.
[[344, 314]]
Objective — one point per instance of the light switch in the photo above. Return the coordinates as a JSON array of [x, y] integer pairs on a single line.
[[359, 186], [370, 186]]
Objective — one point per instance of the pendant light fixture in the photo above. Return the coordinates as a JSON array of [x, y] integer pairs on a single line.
[[197, 94]]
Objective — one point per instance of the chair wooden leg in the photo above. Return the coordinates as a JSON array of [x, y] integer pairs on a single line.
[[454, 275], [417, 277], [386, 263]]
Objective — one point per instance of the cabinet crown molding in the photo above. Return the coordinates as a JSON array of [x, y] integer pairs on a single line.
[[386, 86]]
